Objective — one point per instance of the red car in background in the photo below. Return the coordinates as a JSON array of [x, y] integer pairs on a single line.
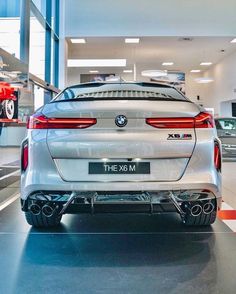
[[7, 101]]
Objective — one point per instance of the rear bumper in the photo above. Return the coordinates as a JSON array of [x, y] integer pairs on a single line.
[[120, 202], [122, 186]]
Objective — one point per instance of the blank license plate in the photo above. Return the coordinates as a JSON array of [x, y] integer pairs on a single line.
[[119, 168]]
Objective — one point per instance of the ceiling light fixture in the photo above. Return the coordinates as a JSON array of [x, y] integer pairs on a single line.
[[127, 70], [94, 71], [206, 63], [132, 40], [233, 41], [154, 73], [96, 62], [195, 70], [78, 41], [204, 80], [167, 63]]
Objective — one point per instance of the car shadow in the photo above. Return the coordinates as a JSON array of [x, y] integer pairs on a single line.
[[86, 239]]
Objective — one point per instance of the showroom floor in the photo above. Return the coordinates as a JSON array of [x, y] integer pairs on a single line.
[[114, 253]]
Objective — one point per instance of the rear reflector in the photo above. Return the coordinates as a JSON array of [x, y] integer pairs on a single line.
[[24, 156], [217, 156], [202, 120], [39, 121]]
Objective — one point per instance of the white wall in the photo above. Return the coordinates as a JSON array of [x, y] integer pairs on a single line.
[[150, 18], [223, 88], [193, 90]]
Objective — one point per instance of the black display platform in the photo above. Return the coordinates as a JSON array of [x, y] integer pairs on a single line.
[[115, 254]]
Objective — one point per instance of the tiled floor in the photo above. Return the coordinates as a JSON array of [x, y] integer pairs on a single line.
[[116, 253]]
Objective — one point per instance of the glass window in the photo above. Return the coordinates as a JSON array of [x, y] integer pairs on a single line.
[[41, 5], [10, 8], [37, 48], [38, 97], [117, 91], [10, 27], [226, 124]]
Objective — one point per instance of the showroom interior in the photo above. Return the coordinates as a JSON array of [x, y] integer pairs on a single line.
[[49, 45]]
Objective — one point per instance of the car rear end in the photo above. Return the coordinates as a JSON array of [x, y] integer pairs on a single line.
[[122, 148]]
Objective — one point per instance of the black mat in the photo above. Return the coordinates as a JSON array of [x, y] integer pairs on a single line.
[[115, 254]]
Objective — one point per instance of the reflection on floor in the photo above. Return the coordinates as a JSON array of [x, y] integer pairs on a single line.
[[115, 253], [9, 155], [9, 173]]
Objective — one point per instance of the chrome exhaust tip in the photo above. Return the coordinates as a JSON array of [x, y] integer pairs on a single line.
[[208, 208], [35, 209], [196, 210], [48, 210]]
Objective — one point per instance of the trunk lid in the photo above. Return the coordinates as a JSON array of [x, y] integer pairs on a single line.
[[167, 150]]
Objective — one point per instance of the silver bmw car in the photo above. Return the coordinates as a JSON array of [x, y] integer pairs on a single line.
[[121, 147]]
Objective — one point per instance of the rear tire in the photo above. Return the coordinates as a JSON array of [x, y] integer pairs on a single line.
[[41, 221], [200, 220]]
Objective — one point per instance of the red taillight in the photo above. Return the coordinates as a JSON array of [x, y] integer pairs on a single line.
[[39, 121], [202, 120], [25, 156], [217, 156], [171, 123]]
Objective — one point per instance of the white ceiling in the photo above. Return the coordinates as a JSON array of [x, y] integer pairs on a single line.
[[151, 52]]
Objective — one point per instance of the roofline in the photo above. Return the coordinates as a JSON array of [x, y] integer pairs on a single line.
[[98, 84]]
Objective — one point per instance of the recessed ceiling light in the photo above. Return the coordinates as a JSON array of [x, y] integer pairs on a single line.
[[132, 40], [206, 63], [195, 70], [233, 41], [78, 41], [94, 71], [127, 70], [96, 62], [204, 80], [167, 63], [154, 73]]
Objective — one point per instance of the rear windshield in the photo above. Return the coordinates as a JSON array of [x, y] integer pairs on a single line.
[[119, 92]]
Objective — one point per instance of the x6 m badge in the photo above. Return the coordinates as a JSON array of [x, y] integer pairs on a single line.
[[179, 137]]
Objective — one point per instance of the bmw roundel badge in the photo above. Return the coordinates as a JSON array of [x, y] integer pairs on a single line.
[[121, 120]]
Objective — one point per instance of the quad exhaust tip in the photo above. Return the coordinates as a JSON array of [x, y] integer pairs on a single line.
[[208, 208], [35, 209], [48, 210], [196, 210]]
